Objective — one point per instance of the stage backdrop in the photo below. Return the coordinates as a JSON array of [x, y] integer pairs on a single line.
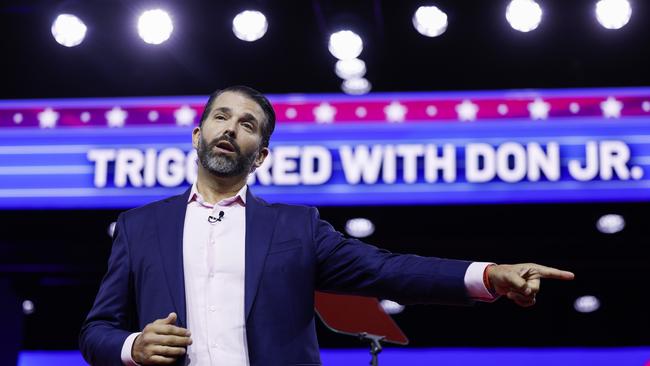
[[402, 148]]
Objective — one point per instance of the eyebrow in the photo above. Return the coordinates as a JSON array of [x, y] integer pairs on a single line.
[[223, 109], [250, 118]]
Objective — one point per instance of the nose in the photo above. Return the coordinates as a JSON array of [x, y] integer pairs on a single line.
[[230, 129], [230, 132]]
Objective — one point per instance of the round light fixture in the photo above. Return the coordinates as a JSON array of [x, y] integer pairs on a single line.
[[155, 26], [250, 25], [68, 30], [359, 227], [345, 45], [524, 15], [613, 14], [430, 21]]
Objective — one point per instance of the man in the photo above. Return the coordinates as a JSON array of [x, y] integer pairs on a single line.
[[217, 276]]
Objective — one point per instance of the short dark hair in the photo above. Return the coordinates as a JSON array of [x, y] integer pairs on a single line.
[[259, 98]]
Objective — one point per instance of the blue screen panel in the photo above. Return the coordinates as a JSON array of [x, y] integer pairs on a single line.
[[546, 146], [634, 356]]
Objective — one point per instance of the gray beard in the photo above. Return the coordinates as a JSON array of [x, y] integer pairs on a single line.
[[221, 165]]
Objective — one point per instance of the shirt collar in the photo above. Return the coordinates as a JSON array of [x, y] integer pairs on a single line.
[[240, 197]]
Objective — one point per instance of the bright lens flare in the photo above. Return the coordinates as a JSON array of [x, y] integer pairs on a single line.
[[357, 86], [68, 30], [613, 14], [249, 25], [350, 69], [155, 26], [430, 21], [345, 45], [524, 15]]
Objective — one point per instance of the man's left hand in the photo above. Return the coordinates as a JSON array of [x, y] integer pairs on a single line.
[[520, 282]]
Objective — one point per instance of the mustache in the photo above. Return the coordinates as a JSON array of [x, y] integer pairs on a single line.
[[227, 138]]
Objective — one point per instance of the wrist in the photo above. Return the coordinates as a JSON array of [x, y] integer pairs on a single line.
[[128, 348], [133, 348], [487, 281]]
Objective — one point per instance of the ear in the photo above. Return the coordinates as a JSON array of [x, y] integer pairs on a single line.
[[196, 137], [261, 156]]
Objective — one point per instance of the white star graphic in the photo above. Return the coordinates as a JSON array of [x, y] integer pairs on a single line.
[[574, 107], [324, 113], [539, 109], [48, 118], [395, 112], [502, 109], [361, 112], [184, 115], [467, 110], [116, 117], [611, 108]]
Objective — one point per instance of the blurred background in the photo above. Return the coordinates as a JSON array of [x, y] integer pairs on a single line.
[[345, 74]]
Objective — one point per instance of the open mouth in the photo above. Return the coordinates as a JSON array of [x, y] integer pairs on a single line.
[[225, 146]]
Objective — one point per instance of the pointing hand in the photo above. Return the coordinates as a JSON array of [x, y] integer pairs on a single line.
[[520, 282]]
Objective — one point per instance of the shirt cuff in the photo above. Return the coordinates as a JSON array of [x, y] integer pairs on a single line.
[[127, 360], [474, 282]]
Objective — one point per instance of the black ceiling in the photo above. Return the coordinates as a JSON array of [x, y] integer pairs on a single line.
[[478, 51]]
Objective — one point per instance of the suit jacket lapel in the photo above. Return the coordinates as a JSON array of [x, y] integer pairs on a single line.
[[260, 224], [170, 218]]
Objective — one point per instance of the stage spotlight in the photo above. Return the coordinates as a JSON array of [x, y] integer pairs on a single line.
[[359, 227], [610, 224], [391, 307], [249, 25], [155, 26], [68, 30], [28, 307], [356, 86], [111, 228], [345, 45], [613, 14], [350, 69], [430, 21], [586, 304], [524, 15]]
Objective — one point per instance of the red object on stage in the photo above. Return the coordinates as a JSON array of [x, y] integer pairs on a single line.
[[356, 315]]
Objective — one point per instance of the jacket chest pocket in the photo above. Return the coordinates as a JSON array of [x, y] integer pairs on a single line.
[[284, 246], [284, 257]]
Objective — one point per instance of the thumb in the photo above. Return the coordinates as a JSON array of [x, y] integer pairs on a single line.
[[170, 319], [516, 282]]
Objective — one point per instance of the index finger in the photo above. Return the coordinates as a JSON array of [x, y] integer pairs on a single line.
[[554, 273], [173, 341]]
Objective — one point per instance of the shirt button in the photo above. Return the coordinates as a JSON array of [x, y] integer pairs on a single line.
[[213, 308], [211, 274], [214, 344]]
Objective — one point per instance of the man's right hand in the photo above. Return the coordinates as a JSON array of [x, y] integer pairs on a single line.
[[160, 342]]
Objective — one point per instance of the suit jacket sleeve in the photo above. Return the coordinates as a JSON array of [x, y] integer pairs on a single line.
[[351, 266], [107, 325]]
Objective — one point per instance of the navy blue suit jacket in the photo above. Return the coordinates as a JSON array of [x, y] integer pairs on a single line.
[[290, 253]]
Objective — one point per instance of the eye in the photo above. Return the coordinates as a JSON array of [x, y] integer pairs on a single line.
[[220, 117], [248, 125]]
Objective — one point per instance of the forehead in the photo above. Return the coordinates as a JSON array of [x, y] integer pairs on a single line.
[[238, 104]]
